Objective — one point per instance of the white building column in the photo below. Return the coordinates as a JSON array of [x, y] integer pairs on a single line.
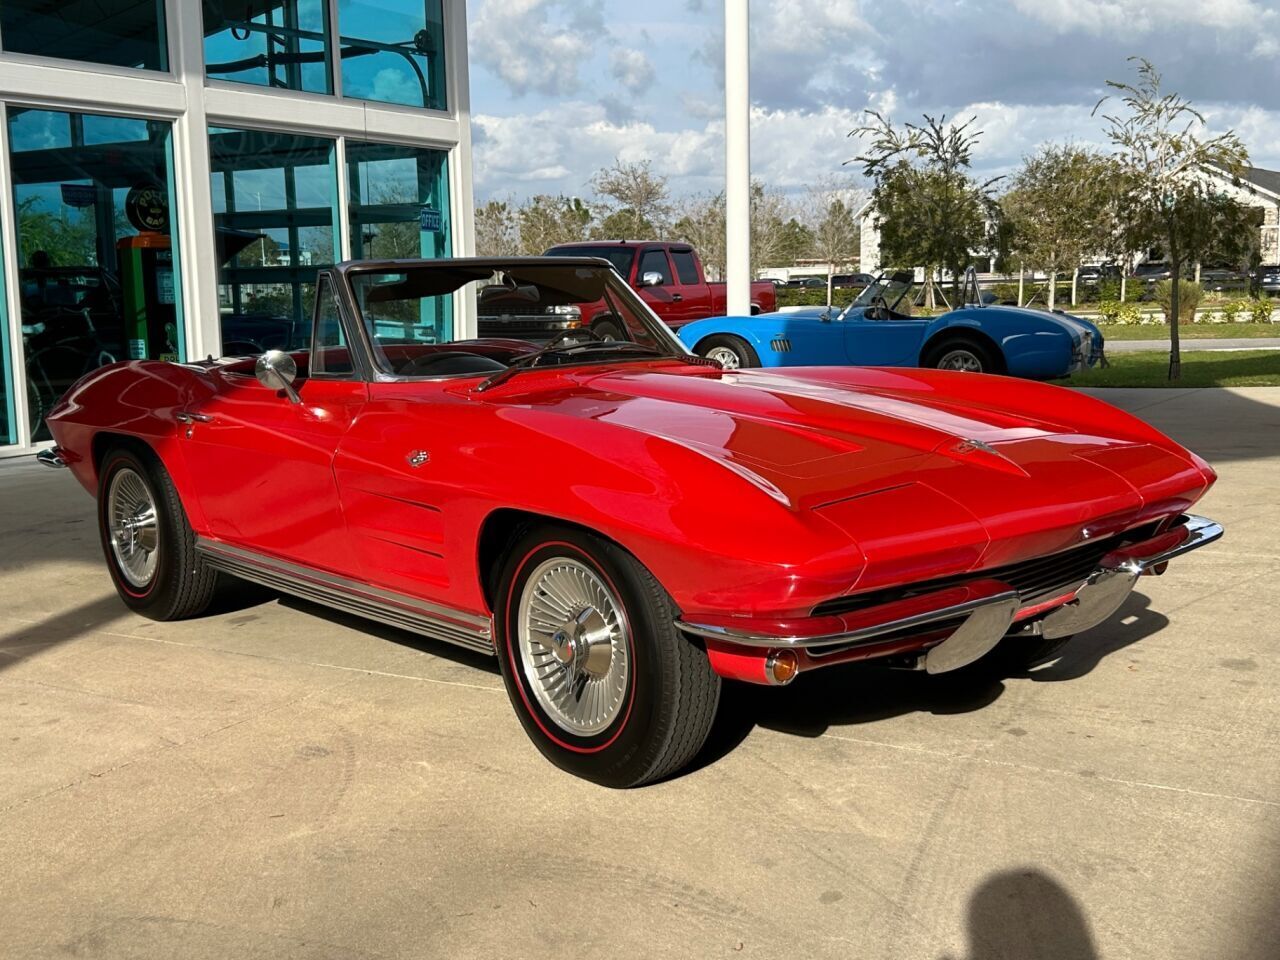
[[737, 156]]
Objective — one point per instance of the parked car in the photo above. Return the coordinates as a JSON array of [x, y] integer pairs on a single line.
[[621, 524], [1271, 279], [807, 283], [669, 278], [856, 280], [878, 329]]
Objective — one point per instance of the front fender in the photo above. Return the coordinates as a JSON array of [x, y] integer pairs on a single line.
[[760, 331], [1034, 346]]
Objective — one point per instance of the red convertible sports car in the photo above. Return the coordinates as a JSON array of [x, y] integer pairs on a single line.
[[622, 524]]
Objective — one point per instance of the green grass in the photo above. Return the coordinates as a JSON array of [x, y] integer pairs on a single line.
[[1192, 331], [1150, 368]]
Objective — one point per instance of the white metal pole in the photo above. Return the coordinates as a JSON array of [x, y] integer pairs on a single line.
[[737, 157]]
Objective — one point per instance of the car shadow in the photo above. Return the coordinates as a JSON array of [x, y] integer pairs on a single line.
[[403, 638], [860, 693]]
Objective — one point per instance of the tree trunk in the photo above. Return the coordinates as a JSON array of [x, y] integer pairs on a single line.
[[1075, 280], [1052, 298], [830, 282], [1123, 281], [1022, 278], [1175, 357]]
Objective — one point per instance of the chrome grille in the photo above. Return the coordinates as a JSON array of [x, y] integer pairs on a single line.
[[1040, 578]]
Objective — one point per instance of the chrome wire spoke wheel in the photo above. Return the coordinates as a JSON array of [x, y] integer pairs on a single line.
[[573, 637], [962, 360], [725, 357], [132, 526]]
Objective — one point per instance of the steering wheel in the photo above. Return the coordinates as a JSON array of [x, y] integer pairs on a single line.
[[878, 308], [450, 361]]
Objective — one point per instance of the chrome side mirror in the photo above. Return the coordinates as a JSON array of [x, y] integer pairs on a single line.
[[276, 370], [651, 279]]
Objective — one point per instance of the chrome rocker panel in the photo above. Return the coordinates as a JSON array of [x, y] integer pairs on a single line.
[[989, 606], [393, 609]]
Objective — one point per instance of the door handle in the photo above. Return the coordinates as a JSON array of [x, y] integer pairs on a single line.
[[677, 297], [182, 416]]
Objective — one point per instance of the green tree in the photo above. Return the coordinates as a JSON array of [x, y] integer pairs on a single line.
[[1169, 198], [929, 210], [702, 226], [1058, 209]]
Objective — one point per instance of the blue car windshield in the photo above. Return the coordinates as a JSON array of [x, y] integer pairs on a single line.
[[886, 290]]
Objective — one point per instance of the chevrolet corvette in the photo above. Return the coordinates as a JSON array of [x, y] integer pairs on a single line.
[[622, 524]]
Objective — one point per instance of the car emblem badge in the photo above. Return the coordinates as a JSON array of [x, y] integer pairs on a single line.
[[969, 446]]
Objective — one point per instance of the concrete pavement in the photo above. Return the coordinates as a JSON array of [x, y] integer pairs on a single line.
[[276, 781], [1196, 343]]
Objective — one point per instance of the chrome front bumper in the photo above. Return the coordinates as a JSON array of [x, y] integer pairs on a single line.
[[986, 608]]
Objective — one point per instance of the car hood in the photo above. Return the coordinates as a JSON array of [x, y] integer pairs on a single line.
[[808, 440]]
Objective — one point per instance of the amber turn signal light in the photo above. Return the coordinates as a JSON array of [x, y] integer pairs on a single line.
[[782, 667]]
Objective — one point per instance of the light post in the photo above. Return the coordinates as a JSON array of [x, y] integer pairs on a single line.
[[737, 157]]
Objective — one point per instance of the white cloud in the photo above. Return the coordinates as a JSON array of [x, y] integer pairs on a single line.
[[536, 45], [632, 69], [1143, 16]]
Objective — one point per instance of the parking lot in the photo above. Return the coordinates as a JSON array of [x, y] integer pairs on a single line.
[[279, 780]]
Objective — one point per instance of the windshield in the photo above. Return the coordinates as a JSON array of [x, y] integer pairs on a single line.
[[885, 290], [620, 257], [409, 313]]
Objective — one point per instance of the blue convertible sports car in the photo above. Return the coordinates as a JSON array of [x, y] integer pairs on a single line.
[[877, 329]]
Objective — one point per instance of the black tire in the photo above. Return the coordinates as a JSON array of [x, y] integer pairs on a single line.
[[180, 585], [608, 328], [944, 350], [667, 702], [745, 353]]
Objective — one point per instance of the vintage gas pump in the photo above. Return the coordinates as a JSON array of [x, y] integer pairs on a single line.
[[146, 278]]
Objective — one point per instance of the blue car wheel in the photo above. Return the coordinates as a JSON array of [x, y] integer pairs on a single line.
[[729, 351], [963, 354]]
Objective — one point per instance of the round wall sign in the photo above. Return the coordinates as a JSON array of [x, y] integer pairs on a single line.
[[147, 207]]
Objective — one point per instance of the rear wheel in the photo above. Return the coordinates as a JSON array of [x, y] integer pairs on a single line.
[[148, 543], [962, 354], [732, 353], [602, 681]]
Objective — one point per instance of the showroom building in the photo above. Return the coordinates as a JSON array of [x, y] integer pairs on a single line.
[[173, 173]]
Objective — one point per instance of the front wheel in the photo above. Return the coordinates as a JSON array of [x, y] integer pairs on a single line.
[[732, 353], [148, 543], [965, 356], [602, 681]]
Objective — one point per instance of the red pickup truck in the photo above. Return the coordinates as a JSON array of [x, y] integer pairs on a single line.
[[669, 278]]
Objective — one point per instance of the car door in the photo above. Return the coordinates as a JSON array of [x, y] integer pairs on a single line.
[[886, 339], [690, 285], [664, 296], [264, 464]]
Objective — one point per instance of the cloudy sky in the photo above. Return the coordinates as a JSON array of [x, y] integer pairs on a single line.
[[562, 87]]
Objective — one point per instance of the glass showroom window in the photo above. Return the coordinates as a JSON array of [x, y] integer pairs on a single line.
[[96, 246], [124, 33], [399, 208], [273, 43], [274, 199], [8, 432], [393, 51]]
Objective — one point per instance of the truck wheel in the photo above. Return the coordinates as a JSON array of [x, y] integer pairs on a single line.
[[148, 543], [732, 353], [607, 329], [602, 681], [963, 354]]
